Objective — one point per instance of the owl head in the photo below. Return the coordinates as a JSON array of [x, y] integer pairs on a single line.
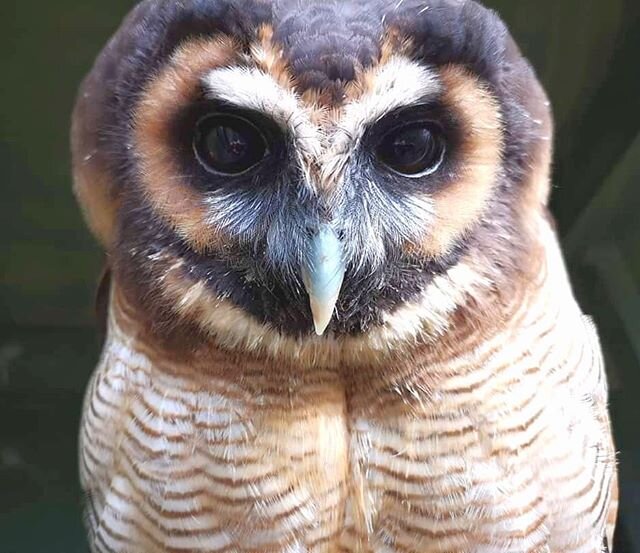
[[265, 171]]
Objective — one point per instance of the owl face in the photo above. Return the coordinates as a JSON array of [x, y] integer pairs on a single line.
[[311, 166]]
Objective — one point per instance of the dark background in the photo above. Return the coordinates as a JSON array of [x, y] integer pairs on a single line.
[[586, 53]]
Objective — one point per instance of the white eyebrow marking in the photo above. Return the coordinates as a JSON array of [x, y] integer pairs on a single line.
[[398, 83], [250, 88]]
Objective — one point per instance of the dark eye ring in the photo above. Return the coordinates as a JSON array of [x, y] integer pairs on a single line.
[[413, 150], [228, 144]]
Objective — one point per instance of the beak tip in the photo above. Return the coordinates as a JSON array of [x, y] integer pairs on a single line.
[[322, 314]]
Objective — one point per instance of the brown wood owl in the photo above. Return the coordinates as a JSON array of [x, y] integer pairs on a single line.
[[339, 319]]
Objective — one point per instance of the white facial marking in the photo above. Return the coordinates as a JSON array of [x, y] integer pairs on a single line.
[[252, 89], [399, 82]]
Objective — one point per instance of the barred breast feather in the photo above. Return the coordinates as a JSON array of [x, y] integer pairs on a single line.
[[499, 441]]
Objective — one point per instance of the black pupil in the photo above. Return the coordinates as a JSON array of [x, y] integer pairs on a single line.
[[229, 144], [413, 149]]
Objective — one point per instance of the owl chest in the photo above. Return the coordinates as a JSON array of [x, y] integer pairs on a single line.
[[173, 465]]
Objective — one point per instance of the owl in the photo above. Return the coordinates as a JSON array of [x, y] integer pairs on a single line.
[[337, 315]]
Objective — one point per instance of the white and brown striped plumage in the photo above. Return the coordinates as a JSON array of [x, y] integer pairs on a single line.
[[457, 401]]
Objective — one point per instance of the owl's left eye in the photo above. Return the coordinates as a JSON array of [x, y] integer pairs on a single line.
[[228, 144], [414, 150]]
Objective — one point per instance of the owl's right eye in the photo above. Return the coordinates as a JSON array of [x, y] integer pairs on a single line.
[[228, 144]]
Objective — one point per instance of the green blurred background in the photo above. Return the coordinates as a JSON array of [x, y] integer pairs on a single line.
[[586, 53]]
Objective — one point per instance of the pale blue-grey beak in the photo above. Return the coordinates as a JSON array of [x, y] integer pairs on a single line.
[[323, 274]]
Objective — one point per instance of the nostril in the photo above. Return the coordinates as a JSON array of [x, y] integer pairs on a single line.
[[312, 231]]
